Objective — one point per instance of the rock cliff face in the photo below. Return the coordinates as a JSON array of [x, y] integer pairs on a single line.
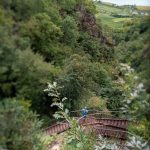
[[88, 23]]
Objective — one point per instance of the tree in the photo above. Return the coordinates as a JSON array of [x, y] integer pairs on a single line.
[[70, 30], [44, 35], [20, 128], [7, 56], [98, 51], [74, 77], [67, 5], [33, 73], [79, 76], [23, 9]]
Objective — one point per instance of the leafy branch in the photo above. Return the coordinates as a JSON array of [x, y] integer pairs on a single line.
[[53, 91]]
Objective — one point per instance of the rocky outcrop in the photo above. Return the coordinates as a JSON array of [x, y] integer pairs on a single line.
[[88, 23]]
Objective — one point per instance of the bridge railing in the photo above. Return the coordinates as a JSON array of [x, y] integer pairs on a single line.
[[100, 114]]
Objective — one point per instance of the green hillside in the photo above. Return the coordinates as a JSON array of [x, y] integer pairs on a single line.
[[114, 16], [146, 8]]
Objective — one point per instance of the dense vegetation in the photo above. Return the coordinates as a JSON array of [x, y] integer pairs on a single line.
[[50, 40]]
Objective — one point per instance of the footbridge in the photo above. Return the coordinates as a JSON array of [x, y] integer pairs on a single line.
[[101, 124]]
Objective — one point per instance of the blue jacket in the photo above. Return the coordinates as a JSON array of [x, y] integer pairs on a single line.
[[84, 112]]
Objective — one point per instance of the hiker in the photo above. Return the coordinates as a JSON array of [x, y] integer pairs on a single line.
[[84, 112]]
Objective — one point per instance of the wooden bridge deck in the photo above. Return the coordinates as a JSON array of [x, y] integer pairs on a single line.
[[116, 128]]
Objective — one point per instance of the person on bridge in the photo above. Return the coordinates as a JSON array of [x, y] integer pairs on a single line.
[[84, 112]]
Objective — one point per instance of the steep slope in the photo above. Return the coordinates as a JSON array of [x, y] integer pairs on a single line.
[[51, 40]]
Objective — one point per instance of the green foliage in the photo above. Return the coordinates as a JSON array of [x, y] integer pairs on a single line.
[[134, 48], [76, 137], [73, 76], [52, 9], [33, 73], [88, 4], [115, 97], [136, 101], [7, 56], [47, 32], [80, 75], [43, 40], [115, 17], [99, 75], [5, 22], [68, 5], [95, 103], [70, 30], [139, 109], [53, 91], [19, 7], [44, 35], [131, 48], [20, 128], [93, 47], [22, 71]]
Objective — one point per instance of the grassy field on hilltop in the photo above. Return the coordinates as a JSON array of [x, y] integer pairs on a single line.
[[145, 8], [106, 15]]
